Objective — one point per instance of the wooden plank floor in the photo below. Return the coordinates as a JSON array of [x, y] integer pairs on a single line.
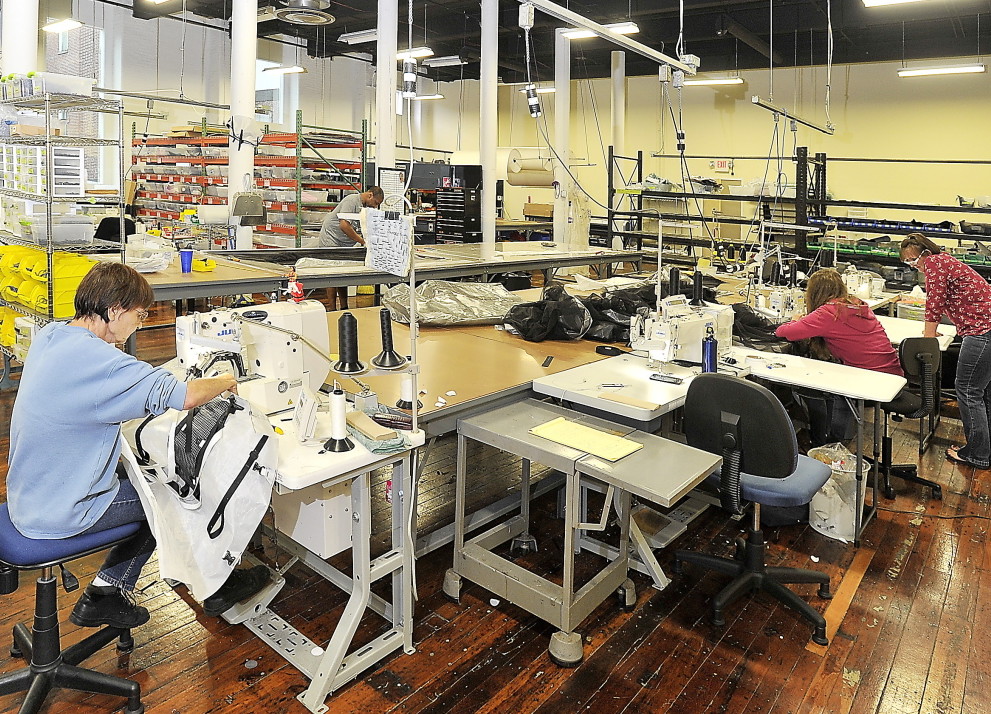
[[912, 640]]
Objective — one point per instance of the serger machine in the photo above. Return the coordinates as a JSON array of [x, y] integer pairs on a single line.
[[275, 349], [677, 332]]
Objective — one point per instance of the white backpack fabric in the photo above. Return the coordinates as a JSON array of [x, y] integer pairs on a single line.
[[205, 480]]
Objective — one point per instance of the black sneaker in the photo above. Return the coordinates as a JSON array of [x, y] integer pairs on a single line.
[[107, 605], [241, 585]]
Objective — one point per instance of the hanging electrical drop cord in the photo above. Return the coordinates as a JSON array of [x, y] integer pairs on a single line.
[[409, 100], [829, 56]]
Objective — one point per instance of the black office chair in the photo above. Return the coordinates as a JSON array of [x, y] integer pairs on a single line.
[[748, 426], [51, 667], [920, 358]]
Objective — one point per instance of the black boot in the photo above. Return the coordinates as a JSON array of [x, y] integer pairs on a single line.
[[107, 605], [241, 585]]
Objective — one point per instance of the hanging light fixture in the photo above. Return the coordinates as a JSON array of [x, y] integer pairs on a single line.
[[62, 25], [620, 28], [930, 71]]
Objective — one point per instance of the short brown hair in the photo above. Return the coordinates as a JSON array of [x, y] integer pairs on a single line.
[[109, 285], [916, 244], [377, 193]]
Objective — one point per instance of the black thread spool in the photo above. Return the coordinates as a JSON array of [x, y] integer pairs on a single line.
[[674, 281], [388, 358], [697, 289], [731, 252], [826, 258], [793, 274], [775, 273], [347, 333]]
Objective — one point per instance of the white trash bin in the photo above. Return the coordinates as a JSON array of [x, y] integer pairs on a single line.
[[832, 510]]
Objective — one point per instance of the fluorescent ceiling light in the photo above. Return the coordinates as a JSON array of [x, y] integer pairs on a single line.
[[415, 53], [62, 25], [878, 3], [429, 96], [620, 28], [966, 69], [294, 69], [160, 2], [356, 38], [540, 90], [447, 61], [713, 81]]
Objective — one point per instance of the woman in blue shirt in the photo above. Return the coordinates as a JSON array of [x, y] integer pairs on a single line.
[[65, 437]]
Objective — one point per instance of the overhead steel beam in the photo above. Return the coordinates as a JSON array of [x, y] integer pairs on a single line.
[[764, 104], [573, 18], [728, 26]]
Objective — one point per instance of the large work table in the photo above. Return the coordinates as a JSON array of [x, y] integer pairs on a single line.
[[263, 271]]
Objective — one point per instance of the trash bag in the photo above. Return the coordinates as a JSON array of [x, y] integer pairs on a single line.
[[556, 316], [833, 509]]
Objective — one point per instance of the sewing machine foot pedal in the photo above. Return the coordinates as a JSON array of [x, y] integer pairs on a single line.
[[247, 609], [627, 595], [452, 585], [566, 649], [523, 544]]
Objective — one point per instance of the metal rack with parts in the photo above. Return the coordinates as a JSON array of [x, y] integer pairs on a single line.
[[292, 172], [686, 220], [43, 178]]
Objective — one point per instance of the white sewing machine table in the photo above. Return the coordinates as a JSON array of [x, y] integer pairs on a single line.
[[857, 385], [301, 466], [662, 471]]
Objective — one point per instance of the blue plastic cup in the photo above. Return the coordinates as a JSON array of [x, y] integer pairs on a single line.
[[186, 259]]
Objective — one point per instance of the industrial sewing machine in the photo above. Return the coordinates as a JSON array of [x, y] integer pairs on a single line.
[[677, 332], [276, 349]]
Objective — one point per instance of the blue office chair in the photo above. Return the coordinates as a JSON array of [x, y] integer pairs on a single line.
[[51, 667], [747, 425]]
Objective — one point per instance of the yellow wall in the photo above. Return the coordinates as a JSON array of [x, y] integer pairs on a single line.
[[876, 114]]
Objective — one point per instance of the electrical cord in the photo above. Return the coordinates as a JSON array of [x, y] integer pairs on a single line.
[[940, 516]]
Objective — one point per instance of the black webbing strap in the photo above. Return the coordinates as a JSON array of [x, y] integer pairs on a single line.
[[216, 525], [143, 457]]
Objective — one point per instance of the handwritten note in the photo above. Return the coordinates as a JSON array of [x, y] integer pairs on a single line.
[[389, 241]]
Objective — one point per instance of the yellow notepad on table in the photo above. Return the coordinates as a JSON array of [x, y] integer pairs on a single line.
[[585, 438]]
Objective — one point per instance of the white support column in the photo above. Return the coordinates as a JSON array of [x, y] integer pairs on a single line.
[[244, 55], [562, 138], [618, 122], [489, 126], [618, 101], [20, 37], [385, 86]]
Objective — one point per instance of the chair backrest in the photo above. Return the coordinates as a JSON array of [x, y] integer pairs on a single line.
[[920, 358], [915, 352], [767, 443]]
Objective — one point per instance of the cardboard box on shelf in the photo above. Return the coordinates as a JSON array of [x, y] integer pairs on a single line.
[[31, 130], [538, 210]]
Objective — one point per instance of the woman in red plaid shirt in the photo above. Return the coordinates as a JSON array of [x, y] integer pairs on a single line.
[[957, 291]]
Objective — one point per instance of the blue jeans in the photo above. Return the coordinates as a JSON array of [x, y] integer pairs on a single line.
[[125, 560], [974, 398]]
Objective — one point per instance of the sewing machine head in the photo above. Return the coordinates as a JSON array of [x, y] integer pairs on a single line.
[[264, 339]]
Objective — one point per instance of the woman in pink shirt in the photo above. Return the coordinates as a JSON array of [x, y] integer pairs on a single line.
[[852, 335], [959, 292]]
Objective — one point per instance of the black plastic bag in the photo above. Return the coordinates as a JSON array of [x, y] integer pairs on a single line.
[[556, 316]]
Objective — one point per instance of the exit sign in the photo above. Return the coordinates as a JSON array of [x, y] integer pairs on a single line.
[[722, 166]]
